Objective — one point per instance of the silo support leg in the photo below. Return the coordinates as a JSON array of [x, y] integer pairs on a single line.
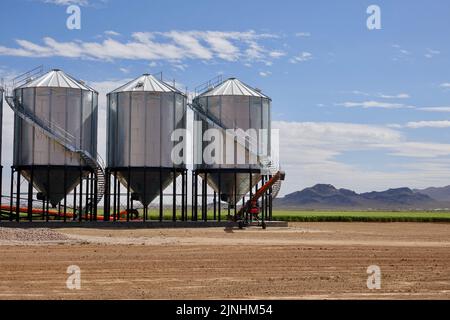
[[30, 196], [220, 196], [128, 194], [182, 195], [174, 196], [214, 206], [115, 197], [144, 210], [65, 195], [161, 201], [118, 201], [74, 205], [11, 197], [18, 197], [80, 210], [107, 203]]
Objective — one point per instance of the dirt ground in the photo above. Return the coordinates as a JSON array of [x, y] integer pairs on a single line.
[[304, 261]]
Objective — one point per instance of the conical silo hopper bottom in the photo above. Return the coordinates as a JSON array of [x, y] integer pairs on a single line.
[[145, 182], [231, 184], [54, 182]]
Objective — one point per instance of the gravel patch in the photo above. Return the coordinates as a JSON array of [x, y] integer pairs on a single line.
[[38, 234]]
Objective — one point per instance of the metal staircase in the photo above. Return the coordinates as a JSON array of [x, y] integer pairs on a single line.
[[65, 139], [267, 164]]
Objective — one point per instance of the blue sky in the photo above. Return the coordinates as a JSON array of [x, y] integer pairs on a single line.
[[358, 108]]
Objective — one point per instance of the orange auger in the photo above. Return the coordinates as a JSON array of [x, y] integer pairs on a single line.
[[251, 206]]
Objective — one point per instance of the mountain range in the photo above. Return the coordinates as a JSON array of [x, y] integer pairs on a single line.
[[326, 196]]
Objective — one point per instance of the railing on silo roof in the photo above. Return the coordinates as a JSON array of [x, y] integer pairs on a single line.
[[27, 76], [211, 83]]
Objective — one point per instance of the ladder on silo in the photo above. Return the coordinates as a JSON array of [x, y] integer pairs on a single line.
[[65, 139]]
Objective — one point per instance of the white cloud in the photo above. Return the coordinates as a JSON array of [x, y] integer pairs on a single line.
[[302, 57], [360, 93], [265, 73], [431, 53], [313, 152], [381, 95], [445, 85], [374, 104], [435, 109], [112, 33], [401, 53], [153, 46], [67, 2], [401, 95], [401, 50], [277, 54], [83, 3], [421, 150], [303, 34], [191, 43], [124, 70], [180, 66], [396, 96], [424, 124]]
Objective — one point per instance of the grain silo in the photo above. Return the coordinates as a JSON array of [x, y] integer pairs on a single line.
[[55, 142], [231, 104], [141, 116]]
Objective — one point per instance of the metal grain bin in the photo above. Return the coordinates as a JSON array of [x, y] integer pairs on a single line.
[[141, 117], [233, 105], [55, 131]]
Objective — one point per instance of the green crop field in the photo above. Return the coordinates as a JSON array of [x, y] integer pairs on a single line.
[[364, 216], [300, 216]]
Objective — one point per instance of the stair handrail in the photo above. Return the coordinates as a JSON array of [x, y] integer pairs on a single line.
[[249, 143], [268, 166], [61, 136]]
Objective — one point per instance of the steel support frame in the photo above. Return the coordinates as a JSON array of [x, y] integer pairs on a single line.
[[216, 196], [17, 195], [113, 195]]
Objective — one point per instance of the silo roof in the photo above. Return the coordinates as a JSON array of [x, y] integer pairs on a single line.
[[147, 83], [233, 87], [56, 79]]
